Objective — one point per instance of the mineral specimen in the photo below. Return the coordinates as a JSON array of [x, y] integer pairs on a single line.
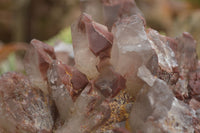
[[166, 56], [37, 60], [115, 9], [23, 109], [90, 43], [89, 112], [65, 85], [157, 110], [126, 79], [131, 49]]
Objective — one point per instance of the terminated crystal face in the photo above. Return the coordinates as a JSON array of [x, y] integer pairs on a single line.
[[91, 42], [166, 56], [65, 85], [90, 112], [131, 49], [59, 82], [130, 80], [186, 53], [156, 109], [37, 60], [107, 12], [109, 83], [115, 9], [85, 60], [23, 109], [184, 48]]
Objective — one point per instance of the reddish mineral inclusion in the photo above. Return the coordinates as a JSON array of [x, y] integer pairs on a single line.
[[126, 79]]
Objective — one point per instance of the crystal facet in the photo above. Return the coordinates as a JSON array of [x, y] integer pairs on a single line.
[[131, 49]]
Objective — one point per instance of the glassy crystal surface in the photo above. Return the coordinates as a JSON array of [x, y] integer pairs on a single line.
[[60, 86], [89, 112], [166, 56], [109, 83], [85, 60], [131, 49], [156, 110], [132, 79], [116, 9], [37, 60], [185, 52], [90, 42]]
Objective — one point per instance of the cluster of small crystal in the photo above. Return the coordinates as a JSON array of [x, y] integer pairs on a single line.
[[126, 79]]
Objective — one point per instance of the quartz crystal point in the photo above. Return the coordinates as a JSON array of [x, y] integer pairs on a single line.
[[166, 56], [167, 69], [66, 84], [23, 109], [186, 53], [37, 60], [107, 12], [186, 56], [91, 42], [109, 83], [59, 82], [156, 110], [115, 9], [176, 58], [90, 112], [131, 49]]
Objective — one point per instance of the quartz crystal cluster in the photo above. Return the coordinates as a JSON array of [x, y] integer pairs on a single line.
[[126, 79]]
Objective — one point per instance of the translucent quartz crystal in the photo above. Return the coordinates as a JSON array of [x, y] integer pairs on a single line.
[[37, 61], [186, 56], [166, 56], [146, 75], [66, 84], [180, 118], [107, 12], [115, 9], [156, 110], [109, 83], [91, 42], [60, 85], [131, 49], [90, 112], [85, 60], [186, 53], [176, 57], [23, 109]]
